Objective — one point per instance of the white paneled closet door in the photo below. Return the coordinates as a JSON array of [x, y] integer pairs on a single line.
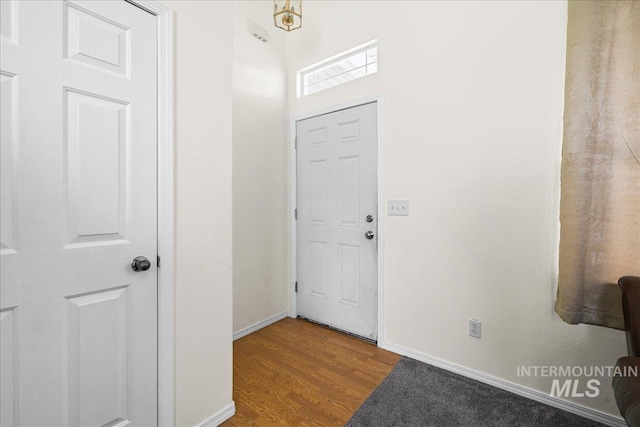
[[78, 326]]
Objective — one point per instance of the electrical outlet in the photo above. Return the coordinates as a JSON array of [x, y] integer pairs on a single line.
[[474, 328], [398, 207]]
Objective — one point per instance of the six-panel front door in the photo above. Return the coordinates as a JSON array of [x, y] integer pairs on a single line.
[[78, 326], [337, 219]]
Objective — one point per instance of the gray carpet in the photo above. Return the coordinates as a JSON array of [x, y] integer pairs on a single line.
[[420, 395]]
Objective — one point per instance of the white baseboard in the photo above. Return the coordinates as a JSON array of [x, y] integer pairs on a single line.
[[223, 415], [266, 322], [509, 386]]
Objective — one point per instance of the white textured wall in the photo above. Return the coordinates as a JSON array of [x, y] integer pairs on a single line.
[[203, 55], [260, 274], [473, 133]]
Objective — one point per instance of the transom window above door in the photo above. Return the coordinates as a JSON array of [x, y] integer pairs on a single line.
[[341, 68]]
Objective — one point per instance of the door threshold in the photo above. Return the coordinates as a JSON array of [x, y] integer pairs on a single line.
[[342, 331]]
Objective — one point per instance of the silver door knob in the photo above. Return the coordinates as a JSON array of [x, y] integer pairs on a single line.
[[369, 235], [140, 263]]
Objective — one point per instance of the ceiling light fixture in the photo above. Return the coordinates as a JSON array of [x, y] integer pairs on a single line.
[[287, 14]]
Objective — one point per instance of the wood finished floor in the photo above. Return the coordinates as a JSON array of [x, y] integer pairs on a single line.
[[295, 373]]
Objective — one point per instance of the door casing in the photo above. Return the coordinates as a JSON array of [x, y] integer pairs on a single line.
[[165, 185], [379, 100]]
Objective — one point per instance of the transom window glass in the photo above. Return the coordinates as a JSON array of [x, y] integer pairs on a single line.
[[344, 67]]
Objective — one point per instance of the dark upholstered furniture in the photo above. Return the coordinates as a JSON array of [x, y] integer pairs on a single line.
[[627, 389]]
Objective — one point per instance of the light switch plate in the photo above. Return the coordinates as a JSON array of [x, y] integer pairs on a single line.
[[398, 207]]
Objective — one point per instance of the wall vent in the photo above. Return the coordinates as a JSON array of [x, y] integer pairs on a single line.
[[258, 32]]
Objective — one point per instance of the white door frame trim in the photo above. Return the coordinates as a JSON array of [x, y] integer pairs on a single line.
[[166, 250], [379, 100]]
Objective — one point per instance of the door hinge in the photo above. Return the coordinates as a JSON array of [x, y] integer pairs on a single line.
[[158, 262], [296, 286], [295, 213], [295, 143]]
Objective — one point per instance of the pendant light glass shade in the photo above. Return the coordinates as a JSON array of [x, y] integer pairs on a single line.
[[287, 14]]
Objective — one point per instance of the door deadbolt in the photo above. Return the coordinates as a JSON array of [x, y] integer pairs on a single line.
[[369, 218]]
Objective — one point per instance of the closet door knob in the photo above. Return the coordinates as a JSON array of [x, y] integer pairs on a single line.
[[140, 263]]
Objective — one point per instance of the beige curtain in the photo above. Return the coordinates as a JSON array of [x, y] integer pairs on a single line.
[[600, 201]]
